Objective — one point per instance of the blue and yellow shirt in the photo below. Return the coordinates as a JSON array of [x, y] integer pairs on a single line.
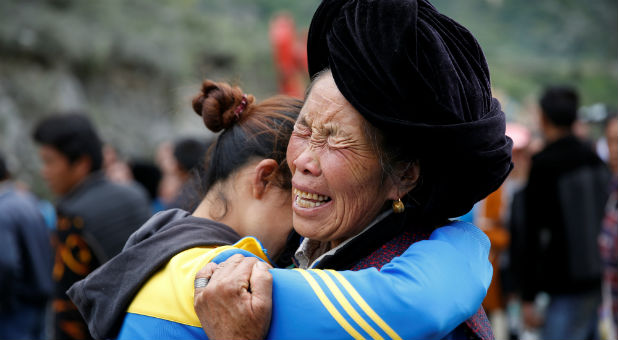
[[425, 293]]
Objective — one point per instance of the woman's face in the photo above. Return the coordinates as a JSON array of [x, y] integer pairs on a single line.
[[272, 221], [337, 186]]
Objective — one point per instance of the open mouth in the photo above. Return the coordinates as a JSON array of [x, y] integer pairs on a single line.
[[309, 200]]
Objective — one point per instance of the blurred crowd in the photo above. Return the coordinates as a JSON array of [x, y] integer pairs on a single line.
[[552, 224], [100, 200]]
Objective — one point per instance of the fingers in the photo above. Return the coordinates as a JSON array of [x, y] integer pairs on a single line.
[[206, 273], [261, 297], [199, 294], [234, 276], [215, 274], [237, 299], [218, 284], [230, 264], [228, 276], [261, 286], [222, 272], [242, 272]]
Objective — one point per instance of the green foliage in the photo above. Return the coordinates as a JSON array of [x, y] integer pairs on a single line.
[[188, 39], [531, 44]]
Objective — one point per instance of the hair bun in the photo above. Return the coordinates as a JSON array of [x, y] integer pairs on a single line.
[[217, 102]]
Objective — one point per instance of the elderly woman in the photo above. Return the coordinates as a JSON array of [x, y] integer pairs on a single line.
[[399, 133]]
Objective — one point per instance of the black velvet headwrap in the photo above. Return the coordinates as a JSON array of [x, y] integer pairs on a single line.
[[419, 76]]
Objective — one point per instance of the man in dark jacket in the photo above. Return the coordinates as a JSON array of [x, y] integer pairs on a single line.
[[25, 263], [95, 216], [565, 198]]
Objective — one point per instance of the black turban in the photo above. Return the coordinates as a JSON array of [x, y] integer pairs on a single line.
[[418, 75]]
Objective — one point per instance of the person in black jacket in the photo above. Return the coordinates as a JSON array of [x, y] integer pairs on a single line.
[[565, 198], [95, 216]]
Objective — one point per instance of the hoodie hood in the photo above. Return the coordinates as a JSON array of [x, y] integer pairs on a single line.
[[104, 296]]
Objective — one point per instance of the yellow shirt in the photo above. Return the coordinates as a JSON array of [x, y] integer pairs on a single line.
[[168, 294]]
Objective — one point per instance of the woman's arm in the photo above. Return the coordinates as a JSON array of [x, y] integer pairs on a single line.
[[424, 293]]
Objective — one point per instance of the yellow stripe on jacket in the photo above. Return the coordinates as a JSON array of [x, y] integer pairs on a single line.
[[168, 294], [330, 307]]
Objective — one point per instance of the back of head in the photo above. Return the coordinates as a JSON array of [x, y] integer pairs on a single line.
[[4, 174], [147, 174], [72, 135], [250, 130], [559, 105], [189, 152]]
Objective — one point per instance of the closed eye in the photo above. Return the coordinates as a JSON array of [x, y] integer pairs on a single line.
[[302, 130]]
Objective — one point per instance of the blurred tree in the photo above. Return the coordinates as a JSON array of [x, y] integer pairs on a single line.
[[134, 65]]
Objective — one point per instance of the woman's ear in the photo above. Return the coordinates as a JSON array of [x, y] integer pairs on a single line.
[[405, 179], [263, 170]]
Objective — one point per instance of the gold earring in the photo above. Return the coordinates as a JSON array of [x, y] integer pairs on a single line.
[[398, 206]]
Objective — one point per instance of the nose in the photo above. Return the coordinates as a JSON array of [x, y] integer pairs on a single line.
[[307, 162]]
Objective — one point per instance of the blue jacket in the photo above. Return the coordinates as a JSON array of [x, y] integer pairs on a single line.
[[425, 293], [25, 251]]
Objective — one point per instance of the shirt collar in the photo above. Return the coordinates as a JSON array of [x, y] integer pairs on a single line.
[[311, 252]]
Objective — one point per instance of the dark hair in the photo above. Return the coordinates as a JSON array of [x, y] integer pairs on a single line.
[[4, 173], [189, 152], [394, 153], [559, 104], [250, 131], [147, 174], [73, 136]]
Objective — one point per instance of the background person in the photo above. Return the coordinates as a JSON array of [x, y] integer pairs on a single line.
[[564, 200], [608, 238], [25, 263], [115, 168], [189, 156], [170, 184], [148, 174], [95, 216]]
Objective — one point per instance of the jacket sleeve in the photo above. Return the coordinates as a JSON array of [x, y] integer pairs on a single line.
[[424, 293]]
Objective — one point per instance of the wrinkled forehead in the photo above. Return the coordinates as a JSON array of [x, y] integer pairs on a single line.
[[324, 102]]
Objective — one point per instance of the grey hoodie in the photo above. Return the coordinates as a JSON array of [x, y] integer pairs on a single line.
[[104, 296]]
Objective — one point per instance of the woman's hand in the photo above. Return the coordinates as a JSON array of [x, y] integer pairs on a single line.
[[237, 301]]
